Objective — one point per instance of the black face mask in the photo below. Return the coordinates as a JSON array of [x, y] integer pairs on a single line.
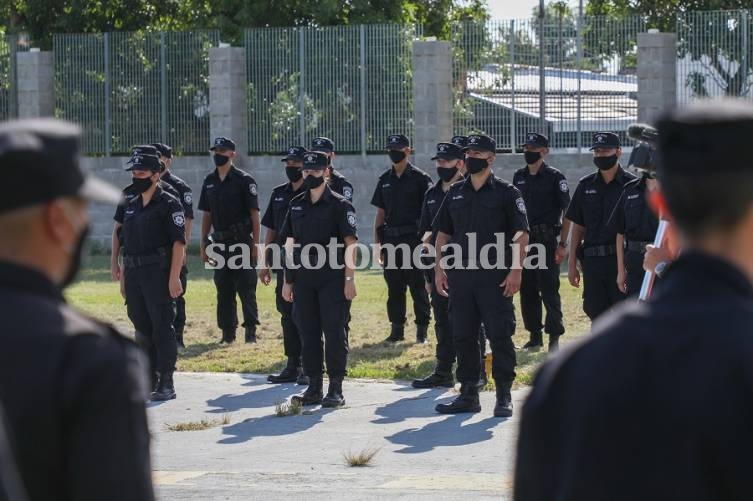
[[294, 174], [605, 163], [76, 257], [532, 157], [396, 156], [446, 174], [141, 184], [220, 159], [312, 182], [476, 165]]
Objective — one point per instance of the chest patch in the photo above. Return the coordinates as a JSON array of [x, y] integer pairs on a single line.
[[590, 192], [633, 197]]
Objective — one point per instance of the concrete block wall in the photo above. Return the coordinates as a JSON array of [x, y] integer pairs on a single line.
[[657, 75], [36, 84], [227, 97]]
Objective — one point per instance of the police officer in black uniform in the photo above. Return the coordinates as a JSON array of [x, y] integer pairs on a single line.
[[547, 196], [154, 245], [185, 195], [399, 197], [337, 181], [486, 208], [636, 226], [73, 388], [657, 402], [274, 221], [450, 169], [322, 291], [593, 238], [230, 205]]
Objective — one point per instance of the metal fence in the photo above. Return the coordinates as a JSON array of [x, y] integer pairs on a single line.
[[134, 88], [714, 54], [588, 78], [349, 83], [10, 45]]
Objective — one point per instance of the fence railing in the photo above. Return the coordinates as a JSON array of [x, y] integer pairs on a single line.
[[130, 88], [349, 83]]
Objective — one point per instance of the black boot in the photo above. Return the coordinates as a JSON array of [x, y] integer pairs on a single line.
[[421, 333], [334, 396], [155, 382], [302, 379], [554, 343], [289, 374], [228, 336], [251, 335], [434, 380], [483, 380], [467, 401], [179, 339], [535, 343], [166, 390], [313, 394], [396, 334], [503, 408]]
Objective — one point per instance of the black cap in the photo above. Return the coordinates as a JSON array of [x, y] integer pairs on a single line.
[[448, 151], [223, 142], [164, 150], [39, 162], [145, 162], [481, 142], [605, 140], [706, 136], [315, 160], [294, 153], [461, 141], [143, 149], [323, 144], [397, 142], [536, 139]]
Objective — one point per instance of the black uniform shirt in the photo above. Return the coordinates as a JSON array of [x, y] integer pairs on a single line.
[[129, 194], [277, 209], [185, 195], [341, 185], [496, 208], [657, 403], [546, 194], [158, 225], [401, 197], [593, 204], [73, 391], [633, 217], [229, 201], [330, 217], [434, 198]]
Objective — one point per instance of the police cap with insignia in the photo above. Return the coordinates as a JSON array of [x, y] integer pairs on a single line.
[[448, 151], [295, 154], [397, 142], [143, 149], [461, 141], [164, 150], [223, 142], [39, 162], [605, 140], [145, 162], [536, 139], [324, 144], [481, 142], [314, 160]]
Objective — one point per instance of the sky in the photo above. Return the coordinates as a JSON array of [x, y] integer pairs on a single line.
[[515, 9]]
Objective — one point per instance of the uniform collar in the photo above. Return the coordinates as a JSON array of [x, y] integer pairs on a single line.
[[467, 183], [408, 170], [229, 172], [709, 272], [541, 169], [326, 197], [27, 279], [619, 177]]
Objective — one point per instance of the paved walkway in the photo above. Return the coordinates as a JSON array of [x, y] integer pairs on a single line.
[[422, 455]]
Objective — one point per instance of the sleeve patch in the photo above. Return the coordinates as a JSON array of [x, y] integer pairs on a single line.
[[179, 219], [521, 205]]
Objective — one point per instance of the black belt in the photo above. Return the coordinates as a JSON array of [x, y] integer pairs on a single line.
[[635, 246], [541, 231], [398, 231], [219, 236], [150, 259], [600, 251]]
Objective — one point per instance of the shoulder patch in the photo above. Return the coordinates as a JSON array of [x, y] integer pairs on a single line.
[[348, 192], [252, 188], [188, 198], [179, 219], [563, 186], [521, 205], [351, 218]]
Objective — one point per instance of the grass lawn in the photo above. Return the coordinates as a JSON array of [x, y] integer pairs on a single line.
[[96, 294]]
